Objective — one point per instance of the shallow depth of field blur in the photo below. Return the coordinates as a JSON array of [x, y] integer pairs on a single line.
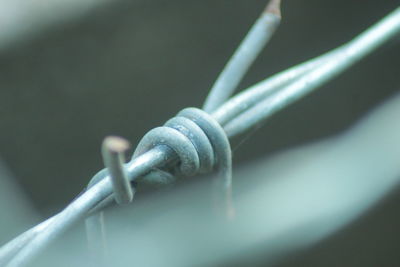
[[317, 185]]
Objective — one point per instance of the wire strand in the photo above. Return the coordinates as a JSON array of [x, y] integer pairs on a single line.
[[160, 155], [247, 52], [254, 94], [351, 53]]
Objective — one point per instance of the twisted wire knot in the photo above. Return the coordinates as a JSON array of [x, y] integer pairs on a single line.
[[198, 140]]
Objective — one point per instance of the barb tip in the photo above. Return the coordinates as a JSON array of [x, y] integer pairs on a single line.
[[274, 7]]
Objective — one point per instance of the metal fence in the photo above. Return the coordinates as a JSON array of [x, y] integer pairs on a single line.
[[196, 142]]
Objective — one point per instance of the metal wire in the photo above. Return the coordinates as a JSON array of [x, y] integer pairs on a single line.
[[14, 246], [160, 155], [77, 210], [200, 143], [251, 96], [10, 249], [113, 150], [251, 46], [361, 46]]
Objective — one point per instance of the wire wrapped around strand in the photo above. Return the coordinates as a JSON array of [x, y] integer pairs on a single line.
[[200, 144], [25, 247]]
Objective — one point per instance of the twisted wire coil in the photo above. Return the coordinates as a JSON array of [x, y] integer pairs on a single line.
[[199, 142], [32, 243]]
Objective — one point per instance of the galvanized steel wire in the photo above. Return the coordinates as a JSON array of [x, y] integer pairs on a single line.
[[247, 52], [235, 116]]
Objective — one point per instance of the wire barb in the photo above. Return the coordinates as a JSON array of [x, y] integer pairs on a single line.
[[274, 7], [340, 60], [113, 150], [161, 155], [247, 52], [200, 144]]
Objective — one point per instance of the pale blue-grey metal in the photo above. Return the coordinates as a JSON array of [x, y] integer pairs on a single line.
[[200, 144], [218, 139], [10, 249], [161, 155], [95, 229], [251, 46], [223, 156], [200, 141], [254, 94], [258, 36], [96, 237], [351, 53], [177, 141], [78, 209], [113, 151]]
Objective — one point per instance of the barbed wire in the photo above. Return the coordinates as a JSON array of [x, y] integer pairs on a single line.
[[235, 116]]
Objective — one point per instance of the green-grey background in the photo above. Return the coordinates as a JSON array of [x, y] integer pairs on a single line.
[[127, 66]]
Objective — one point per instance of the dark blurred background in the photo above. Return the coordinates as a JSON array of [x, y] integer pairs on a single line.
[[125, 67]]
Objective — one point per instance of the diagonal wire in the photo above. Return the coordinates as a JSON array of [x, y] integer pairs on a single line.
[[251, 96], [247, 52], [160, 155], [341, 60]]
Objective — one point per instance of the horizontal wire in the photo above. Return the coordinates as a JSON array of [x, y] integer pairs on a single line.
[[160, 155], [247, 52]]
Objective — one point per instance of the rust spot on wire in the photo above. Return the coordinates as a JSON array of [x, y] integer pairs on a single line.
[[116, 144], [274, 7]]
